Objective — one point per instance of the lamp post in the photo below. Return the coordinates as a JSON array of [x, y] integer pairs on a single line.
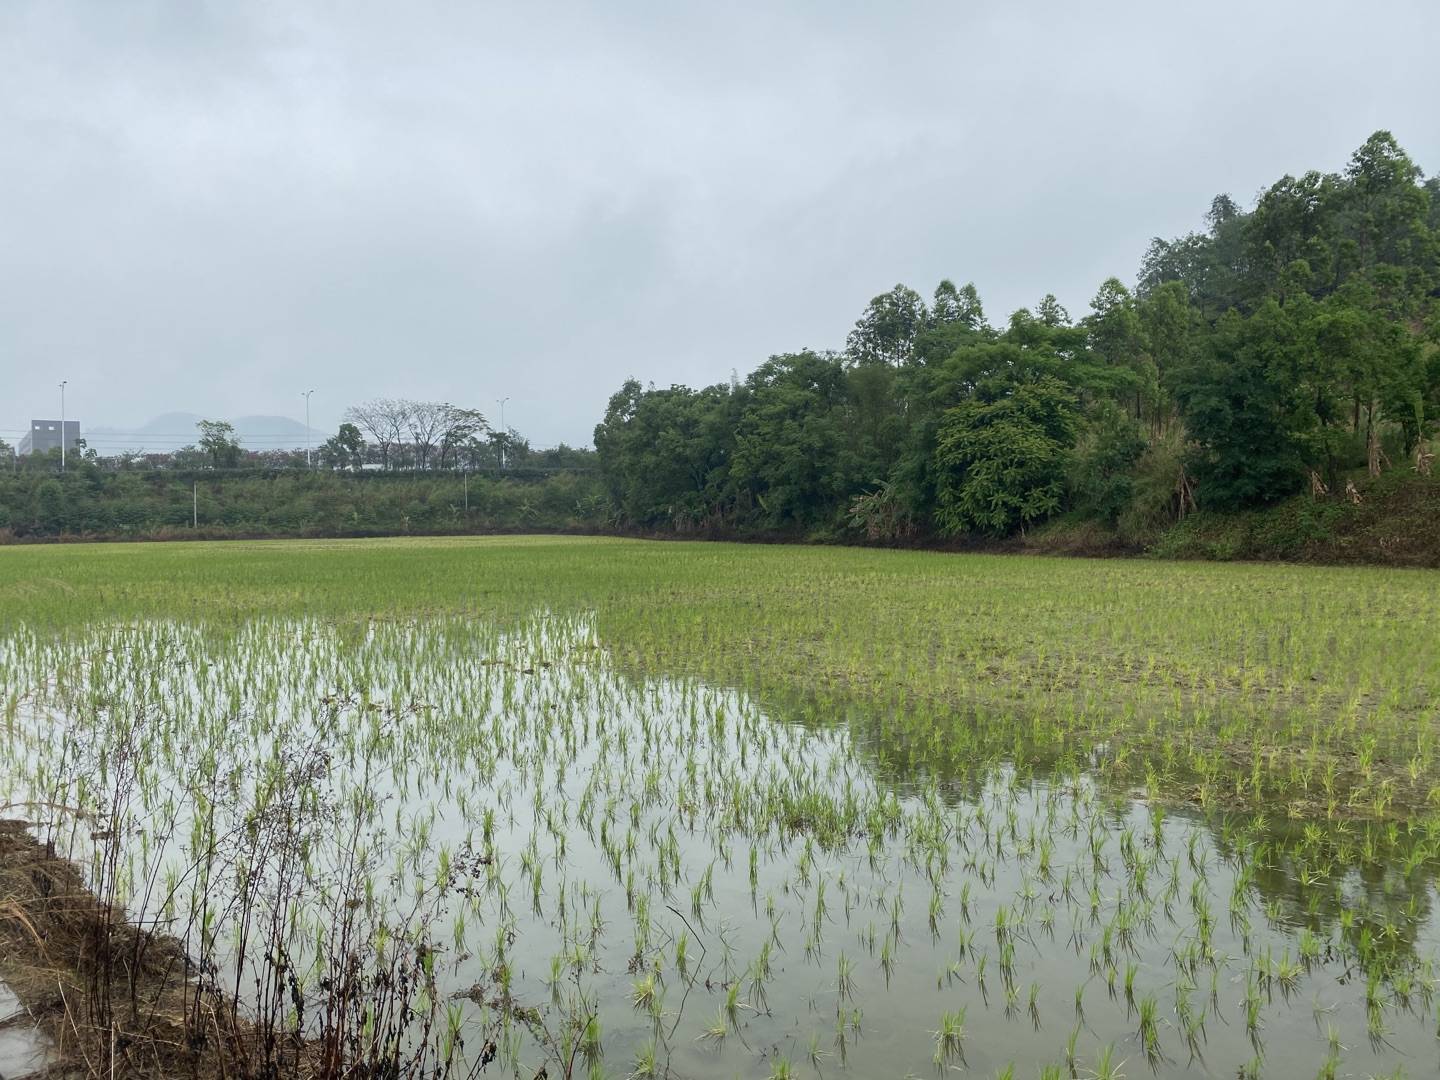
[[62, 423], [306, 396], [504, 431]]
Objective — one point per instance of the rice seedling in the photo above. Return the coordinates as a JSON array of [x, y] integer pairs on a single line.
[[815, 1053], [1106, 1067], [645, 1066], [845, 977], [1150, 1029], [950, 1038], [717, 1028], [643, 993], [527, 802]]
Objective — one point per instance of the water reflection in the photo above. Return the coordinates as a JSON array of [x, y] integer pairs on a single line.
[[654, 874]]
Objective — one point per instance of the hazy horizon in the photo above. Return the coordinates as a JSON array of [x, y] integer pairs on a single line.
[[212, 208]]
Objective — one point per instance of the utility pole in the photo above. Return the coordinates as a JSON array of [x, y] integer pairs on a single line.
[[306, 396], [504, 431], [62, 423], [195, 504]]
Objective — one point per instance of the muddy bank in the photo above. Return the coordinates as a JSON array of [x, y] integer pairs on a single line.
[[100, 997]]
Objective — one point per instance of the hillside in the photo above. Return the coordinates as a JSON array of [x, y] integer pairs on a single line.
[[171, 430]]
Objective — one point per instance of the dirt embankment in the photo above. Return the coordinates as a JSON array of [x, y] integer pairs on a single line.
[[101, 996], [1393, 520]]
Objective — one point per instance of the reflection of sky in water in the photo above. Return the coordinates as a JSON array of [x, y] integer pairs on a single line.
[[638, 806]]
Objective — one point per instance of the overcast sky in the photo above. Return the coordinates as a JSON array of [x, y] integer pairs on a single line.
[[212, 207]]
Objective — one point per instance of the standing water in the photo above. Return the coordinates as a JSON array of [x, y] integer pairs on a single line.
[[471, 843]]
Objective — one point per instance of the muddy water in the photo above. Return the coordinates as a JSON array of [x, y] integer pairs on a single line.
[[830, 919]]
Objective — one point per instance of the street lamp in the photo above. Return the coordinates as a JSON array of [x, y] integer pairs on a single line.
[[306, 396], [504, 431], [62, 423]]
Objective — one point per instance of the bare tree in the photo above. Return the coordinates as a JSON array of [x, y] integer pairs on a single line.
[[385, 419], [429, 425], [426, 421]]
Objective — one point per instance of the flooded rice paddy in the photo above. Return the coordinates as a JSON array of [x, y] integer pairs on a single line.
[[535, 855]]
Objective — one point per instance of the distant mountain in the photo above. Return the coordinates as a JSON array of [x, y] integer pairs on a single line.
[[270, 427], [172, 430], [170, 423]]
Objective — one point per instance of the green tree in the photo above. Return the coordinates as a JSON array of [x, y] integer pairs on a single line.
[[51, 510], [664, 453], [1300, 336], [1382, 215], [462, 428], [886, 332], [1210, 265], [957, 319], [875, 418], [345, 449], [795, 456], [218, 442], [1249, 405], [1000, 457], [1375, 362], [1290, 227], [1168, 324], [1102, 466], [961, 307], [1051, 312], [1117, 339]]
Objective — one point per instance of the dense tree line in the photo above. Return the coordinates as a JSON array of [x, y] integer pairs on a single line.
[[89, 500], [1284, 348], [1290, 347], [439, 469]]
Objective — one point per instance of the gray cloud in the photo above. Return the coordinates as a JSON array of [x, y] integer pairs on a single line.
[[213, 206]]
